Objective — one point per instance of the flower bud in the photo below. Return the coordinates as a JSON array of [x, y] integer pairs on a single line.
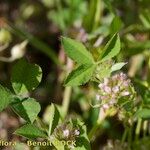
[[18, 50]]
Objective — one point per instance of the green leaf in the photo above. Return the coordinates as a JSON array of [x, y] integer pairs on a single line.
[[117, 66], [145, 18], [28, 109], [111, 49], [5, 97], [80, 76], [110, 6], [54, 118], [91, 21], [46, 117], [30, 131], [116, 25], [146, 97], [25, 77], [77, 51], [143, 113]]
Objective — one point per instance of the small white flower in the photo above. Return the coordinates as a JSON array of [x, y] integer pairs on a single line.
[[112, 101], [115, 89], [107, 89], [126, 93], [97, 97], [104, 97], [122, 76], [66, 133], [100, 85], [126, 83], [105, 106], [77, 132]]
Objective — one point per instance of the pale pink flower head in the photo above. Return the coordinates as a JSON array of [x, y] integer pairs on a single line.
[[114, 88]]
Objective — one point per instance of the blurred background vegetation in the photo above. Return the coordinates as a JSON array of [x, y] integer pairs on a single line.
[[93, 22]]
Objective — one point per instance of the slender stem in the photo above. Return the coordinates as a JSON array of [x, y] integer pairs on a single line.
[[130, 130], [138, 127], [145, 125], [66, 99], [124, 135], [93, 130]]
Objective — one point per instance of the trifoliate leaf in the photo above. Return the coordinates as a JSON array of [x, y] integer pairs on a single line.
[[77, 51]]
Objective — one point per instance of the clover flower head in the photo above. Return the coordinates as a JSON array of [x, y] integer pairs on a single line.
[[66, 131], [112, 89]]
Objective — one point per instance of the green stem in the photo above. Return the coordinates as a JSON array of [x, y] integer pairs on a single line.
[[130, 130], [93, 130], [145, 125], [138, 127], [124, 135], [66, 99]]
